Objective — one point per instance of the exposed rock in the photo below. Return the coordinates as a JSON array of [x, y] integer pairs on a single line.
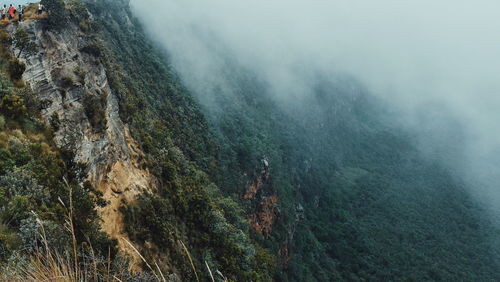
[[259, 181], [263, 220], [286, 249], [266, 210], [64, 77]]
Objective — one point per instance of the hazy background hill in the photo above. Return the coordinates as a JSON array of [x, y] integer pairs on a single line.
[[370, 111]]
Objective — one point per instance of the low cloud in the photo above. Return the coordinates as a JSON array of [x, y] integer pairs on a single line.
[[436, 61]]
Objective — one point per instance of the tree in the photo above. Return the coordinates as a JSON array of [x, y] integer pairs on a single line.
[[22, 42], [5, 85], [12, 106], [56, 11], [16, 68]]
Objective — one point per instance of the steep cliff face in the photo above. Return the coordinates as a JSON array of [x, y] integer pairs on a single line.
[[83, 111]]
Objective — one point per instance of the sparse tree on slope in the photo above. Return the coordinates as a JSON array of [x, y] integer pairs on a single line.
[[56, 12], [22, 42]]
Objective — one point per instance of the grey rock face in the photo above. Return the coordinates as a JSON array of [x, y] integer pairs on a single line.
[[74, 89]]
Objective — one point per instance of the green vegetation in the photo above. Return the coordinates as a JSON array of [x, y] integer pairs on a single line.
[[57, 14], [356, 200], [95, 110], [188, 208], [33, 192], [10, 63], [23, 43], [375, 208]]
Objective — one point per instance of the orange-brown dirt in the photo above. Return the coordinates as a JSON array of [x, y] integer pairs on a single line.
[[264, 219]]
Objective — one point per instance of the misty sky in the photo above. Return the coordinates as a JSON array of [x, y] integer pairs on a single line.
[[421, 56], [16, 2]]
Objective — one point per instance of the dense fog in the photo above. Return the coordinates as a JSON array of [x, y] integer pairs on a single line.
[[435, 62]]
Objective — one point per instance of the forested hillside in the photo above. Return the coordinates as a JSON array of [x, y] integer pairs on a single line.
[[349, 196], [327, 188]]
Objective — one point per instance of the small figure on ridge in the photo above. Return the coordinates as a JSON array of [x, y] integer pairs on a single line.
[[20, 11], [3, 12], [12, 12], [40, 9]]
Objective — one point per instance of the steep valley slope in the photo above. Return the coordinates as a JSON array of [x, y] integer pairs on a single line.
[[328, 189]]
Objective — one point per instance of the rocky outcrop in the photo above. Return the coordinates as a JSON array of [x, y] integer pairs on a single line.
[[259, 181], [265, 216], [263, 200], [78, 101], [285, 252]]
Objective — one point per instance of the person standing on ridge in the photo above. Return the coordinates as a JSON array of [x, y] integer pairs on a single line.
[[20, 11], [12, 12], [40, 9], [3, 12]]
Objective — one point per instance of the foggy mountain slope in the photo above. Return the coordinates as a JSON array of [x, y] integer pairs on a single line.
[[372, 201], [265, 154], [329, 142], [422, 57]]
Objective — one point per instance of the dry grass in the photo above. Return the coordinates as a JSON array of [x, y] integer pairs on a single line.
[[30, 12], [157, 275], [190, 260], [49, 264]]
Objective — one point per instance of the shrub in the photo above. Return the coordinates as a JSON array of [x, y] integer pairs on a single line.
[[20, 183], [30, 234], [6, 163], [95, 110], [5, 38], [31, 100], [8, 241], [54, 121], [57, 13], [23, 43], [16, 210], [93, 49], [13, 106], [16, 68], [80, 74], [67, 82], [5, 85]]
